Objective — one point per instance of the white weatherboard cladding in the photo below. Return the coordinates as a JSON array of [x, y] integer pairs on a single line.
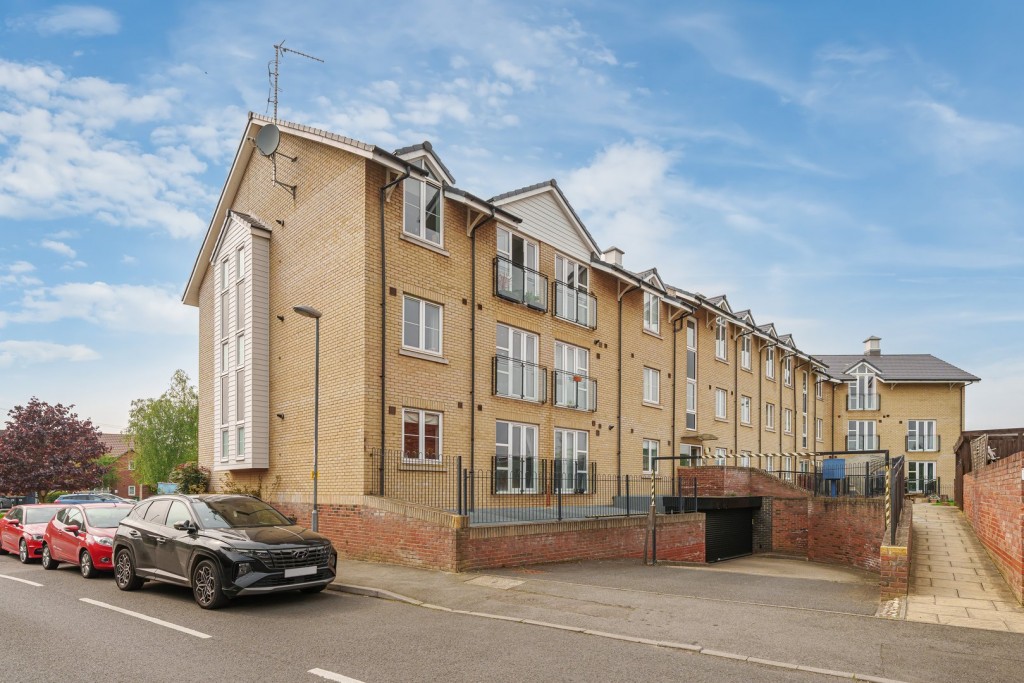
[[256, 362], [545, 220]]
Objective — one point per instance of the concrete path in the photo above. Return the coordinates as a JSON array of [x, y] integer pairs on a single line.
[[953, 581]]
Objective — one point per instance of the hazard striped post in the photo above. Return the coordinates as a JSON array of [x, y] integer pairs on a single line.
[[653, 517], [888, 491]]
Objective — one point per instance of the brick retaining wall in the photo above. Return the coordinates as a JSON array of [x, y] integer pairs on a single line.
[[994, 505], [895, 558]]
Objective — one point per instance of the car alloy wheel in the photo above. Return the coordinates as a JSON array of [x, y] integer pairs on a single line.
[[85, 565], [124, 571], [206, 586], [23, 552], [48, 561]]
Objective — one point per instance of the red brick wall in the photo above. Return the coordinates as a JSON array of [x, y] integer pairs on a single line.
[[994, 505], [789, 525], [895, 559], [736, 481], [846, 531], [379, 534]]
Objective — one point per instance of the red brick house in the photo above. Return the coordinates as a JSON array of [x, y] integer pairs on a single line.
[[126, 484]]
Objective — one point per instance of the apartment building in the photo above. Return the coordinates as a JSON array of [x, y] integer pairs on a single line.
[[496, 331]]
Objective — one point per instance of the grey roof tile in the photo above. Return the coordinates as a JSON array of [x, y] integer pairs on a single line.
[[920, 367]]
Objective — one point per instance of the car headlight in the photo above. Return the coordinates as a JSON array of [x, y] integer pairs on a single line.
[[103, 540], [37, 537], [249, 552]]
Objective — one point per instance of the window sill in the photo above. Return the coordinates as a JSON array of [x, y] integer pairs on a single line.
[[746, 370], [721, 419], [418, 241], [656, 335], [770, 429], [746, 424], [722, 360], [524, 399], [770, 379], [422, 355], [652, 405]]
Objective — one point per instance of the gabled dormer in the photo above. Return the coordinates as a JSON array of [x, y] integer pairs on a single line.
[[862, 391], [549, 218], [651, 277], [423, 156], [422, 205], [721, 302], [746, 316]]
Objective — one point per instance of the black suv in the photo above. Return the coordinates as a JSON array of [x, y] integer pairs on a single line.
[[220, 546]]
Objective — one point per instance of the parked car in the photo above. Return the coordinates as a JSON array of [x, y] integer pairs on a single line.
[[6, 502], [21, 530], [83, 535], [220, 546], [89, 497]]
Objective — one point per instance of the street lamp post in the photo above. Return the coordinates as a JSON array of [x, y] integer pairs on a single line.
[[310, 312]]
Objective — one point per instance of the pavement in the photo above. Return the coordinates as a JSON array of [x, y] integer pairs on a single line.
[[776, 612], [953, 580]]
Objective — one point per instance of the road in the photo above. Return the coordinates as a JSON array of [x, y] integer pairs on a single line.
[[65, 628]]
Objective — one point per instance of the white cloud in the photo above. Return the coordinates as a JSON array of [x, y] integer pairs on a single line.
[[129, 260], [524, 78], [135, 308], [17, 274], [435, 108], [34, 352], [853, 55], [957, 142], [80, 20], [58, 247]]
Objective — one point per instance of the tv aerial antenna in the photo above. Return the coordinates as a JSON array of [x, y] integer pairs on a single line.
[[269, 137]]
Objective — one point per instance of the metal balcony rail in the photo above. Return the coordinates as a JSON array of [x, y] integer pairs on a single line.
[[575, 305], [574, 390], [518, 379], [862, 443], [927, 442], [864, 402], [518, 283]]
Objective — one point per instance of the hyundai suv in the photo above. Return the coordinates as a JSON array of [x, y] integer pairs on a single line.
[[220, 546]]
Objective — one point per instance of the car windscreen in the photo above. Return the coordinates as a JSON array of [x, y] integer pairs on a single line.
[[105, 518], [237, 512], [39, 515]]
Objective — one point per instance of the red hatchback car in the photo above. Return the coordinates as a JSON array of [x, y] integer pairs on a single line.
[[21, 531], [83, 535]]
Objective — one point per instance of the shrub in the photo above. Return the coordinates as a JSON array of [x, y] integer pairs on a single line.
[[54, 495], [191, 477]]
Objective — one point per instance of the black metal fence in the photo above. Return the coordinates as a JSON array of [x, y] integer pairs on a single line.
[[858, 479], [897, 492]]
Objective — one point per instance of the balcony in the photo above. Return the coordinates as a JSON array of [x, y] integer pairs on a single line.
[[864, 402], [862, 443], [923, 442], [513, 378], [520, 284], [573, 390], [575, 305]]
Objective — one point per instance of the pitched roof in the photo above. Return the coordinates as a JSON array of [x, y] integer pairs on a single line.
[[904, 367], [116, 444], [428, 148], [553, 184]]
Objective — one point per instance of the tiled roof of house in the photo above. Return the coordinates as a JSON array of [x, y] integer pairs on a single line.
[[116, 444], [910, 367], [425, 145]]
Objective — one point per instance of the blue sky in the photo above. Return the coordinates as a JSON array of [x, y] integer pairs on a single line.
[[841, 169]]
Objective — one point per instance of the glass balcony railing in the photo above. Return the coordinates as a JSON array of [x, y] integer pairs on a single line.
[[520, 284], [518, 379], [575, 305], [573, 390]]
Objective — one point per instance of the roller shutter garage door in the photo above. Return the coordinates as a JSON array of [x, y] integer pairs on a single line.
[[728, 534]]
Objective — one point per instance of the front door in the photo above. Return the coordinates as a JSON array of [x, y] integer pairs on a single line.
[[921, 477]]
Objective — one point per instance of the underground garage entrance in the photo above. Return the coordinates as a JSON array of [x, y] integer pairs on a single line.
[[729, 525]]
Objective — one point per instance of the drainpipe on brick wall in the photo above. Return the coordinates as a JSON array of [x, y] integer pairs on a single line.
[[618, 409], [831, 419], [677, 324], [760, 402], [383, 313], [472, 352]]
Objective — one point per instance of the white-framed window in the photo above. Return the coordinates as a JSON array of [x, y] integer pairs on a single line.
[[421, 435], [921, 477], [861, 435], [803, 393], [131, 490], [691, 374], [745, 409], [720, 455], [862, 391], [818, 382], [517, 374], [745, 352], [787, 466], [573, 386], [571, 459], [769, 362], [224, 399], [423, 207], [787, 420], [769, 416], [225, 359], [240, 350], [744, 458], [921, 435], [225, 297], [803, 430], [652, 386], [131, 465], [769, 463], [422, 325], [787, 371], [240, 443], [819, 429], [515, 460], [650, 453], [573, 301], [805, 467], [721, 339], [225, 444], [518, 277], [240, 395], [721, 404], [652, 312]]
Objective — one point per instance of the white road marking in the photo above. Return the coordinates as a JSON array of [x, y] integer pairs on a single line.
[[331, 676], [14, 578], [152, 620]]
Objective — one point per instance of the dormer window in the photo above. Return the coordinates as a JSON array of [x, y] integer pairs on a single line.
[[423, 219], [652, 306], [721, 339], [863, 390]]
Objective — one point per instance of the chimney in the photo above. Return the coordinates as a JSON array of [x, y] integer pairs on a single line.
[[613, 255], [873, 346]]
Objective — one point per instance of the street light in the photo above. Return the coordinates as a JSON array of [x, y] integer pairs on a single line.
[[310, 312]]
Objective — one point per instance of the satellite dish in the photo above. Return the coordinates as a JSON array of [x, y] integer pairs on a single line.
[[268, 139]]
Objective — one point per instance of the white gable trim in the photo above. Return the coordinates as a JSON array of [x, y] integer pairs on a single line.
[[570, 216]]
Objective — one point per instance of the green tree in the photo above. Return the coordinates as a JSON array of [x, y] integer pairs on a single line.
[[165, 430], [108, 471]]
